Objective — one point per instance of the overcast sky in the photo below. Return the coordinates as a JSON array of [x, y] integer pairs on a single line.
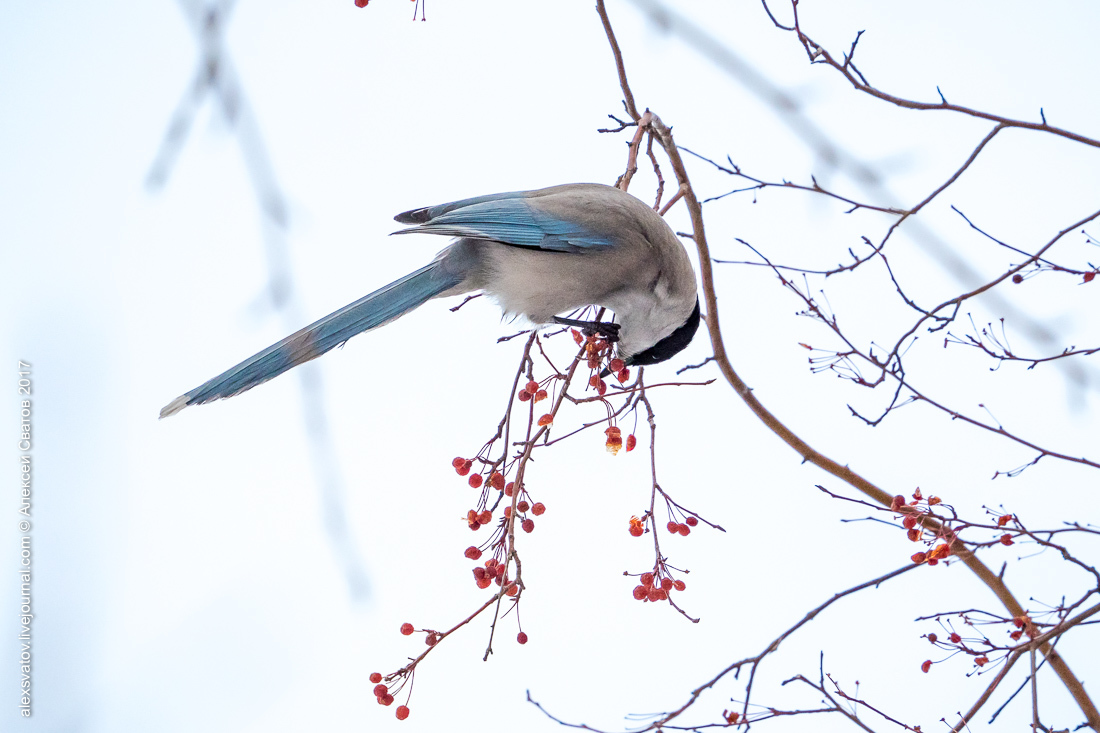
[[223, 571]]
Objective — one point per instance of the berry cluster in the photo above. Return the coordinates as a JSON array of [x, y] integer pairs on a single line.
[[656, 588], [383, 696], [912, 522], [956, 644], [532, 391]]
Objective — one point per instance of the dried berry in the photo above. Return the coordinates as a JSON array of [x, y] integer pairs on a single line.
[[376, 677], [528, 525], [631, 442], [402, 710], [691, 521], [640, 592], [472, 553], [538, 508], [521, 638], [927, 665], [679, 585], [475, 480], [407, 628], [380, 690]]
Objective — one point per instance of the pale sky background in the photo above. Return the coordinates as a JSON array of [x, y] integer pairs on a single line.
[[183, 576]]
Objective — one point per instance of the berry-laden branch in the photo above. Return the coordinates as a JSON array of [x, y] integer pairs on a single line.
[[499, 471], [951, 545]]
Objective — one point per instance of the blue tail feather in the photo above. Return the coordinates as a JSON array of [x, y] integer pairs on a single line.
[[371, 311]]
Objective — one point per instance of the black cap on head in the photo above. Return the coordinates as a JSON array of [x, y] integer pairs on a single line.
[[670, 345]]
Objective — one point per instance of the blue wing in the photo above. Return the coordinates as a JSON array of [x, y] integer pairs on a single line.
[[369, 312], [510, 218]]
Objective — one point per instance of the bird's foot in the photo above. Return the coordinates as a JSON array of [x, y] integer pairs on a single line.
[[609, 331]]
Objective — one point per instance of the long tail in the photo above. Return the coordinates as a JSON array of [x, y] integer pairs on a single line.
[[371, 311]]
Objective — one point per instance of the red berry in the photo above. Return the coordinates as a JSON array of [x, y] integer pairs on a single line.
[[511, 590], [498, 570], [576, 336], [528, 525], [919, 557], [691, 521], [480, 573], [464, 468], [475, 480], [981, 661], [458, 461], [523, 506], [379, 690], [927, 665], [524, 395], [361, 3], [538, 509], [407, 628], [472, 553], [541, 395], [1017, 278], [386, 699], [1006, 539], [432, 639], [684, 530], [640, 592], [1089, 276], [631, 442], [485, 517], [955, 638], [666, 584], [653, 594], [897, 503], [402, 710], [647, 580], [521, 638], [679, 585], [616, 365], [913, 534], [909, 522], [636, 530], [622, 375], [546, 420], [533, 386], [933, 638], [375, 677], [673, 527], [509, 488], [497, 481], [483, 583]]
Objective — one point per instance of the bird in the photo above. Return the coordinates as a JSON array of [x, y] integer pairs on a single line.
[[538, 254]]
